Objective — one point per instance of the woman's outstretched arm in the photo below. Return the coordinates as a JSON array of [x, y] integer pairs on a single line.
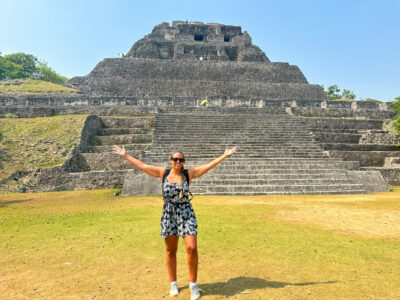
[[201, 170], [148, 169]]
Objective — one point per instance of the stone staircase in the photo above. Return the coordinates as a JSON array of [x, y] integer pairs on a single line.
[[100, 167], [276, 153], [350, 139]]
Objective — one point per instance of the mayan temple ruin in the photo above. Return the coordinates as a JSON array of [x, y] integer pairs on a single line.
[[291, 137]]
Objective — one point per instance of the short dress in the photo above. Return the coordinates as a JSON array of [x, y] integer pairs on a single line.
[[178, 217]]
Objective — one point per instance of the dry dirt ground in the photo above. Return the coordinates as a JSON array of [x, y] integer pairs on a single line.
[[117, 258], [378, 217]]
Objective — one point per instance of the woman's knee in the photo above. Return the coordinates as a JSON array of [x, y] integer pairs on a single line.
[[191, 249], [171, 251]]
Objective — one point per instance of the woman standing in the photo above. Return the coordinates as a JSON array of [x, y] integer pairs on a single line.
[[178, 217]]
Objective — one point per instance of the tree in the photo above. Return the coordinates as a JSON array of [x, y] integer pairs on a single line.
[[395, 104], [45, 73], [22, 65], [26, 61], [347, 94], [334, 93], [8, 69]]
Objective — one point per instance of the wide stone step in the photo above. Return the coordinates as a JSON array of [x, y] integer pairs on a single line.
[[341, 130], [97, 179], [300, 189], [267, 181], [359, 147], [228, 139], [261, 155], [138, 148], [273, 174], [249, 166], [333, 191], [229, 135], [121, 139], [255, 155], [326, 137], [365, 158], [221, 125], [143, 122], [339, 123], [111, 161], [121, 131], [243, 148]]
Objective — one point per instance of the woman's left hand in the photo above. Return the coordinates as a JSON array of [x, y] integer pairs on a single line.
[[230, 151]]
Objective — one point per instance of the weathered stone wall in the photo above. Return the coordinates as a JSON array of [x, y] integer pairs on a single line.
[[42, 105], [182, 78], [188, 40], [372, 180], [198, 70], [391, 175]]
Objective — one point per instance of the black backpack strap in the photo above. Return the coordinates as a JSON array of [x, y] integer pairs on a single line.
[[186, 174], [166, 172]]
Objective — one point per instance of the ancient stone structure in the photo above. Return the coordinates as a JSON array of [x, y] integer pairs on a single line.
[[193, 60], [292, 138]]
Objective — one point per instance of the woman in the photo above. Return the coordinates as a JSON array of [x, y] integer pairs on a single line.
[[178, 218]]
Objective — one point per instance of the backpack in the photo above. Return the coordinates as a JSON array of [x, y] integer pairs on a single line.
[[185, 173]]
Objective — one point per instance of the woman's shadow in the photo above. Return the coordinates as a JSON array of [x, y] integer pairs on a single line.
[[239, 284]]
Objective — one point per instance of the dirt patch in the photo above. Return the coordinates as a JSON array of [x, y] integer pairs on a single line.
[[362, 222]]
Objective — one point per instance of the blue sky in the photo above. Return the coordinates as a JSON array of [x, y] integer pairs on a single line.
[[354, 44]]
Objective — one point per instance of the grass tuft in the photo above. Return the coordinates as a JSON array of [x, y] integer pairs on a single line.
[[32, 86]]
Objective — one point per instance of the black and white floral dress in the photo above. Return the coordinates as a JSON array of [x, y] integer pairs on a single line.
[[178, 217]]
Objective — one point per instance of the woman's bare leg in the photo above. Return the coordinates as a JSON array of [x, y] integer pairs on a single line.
[[192, 256], [171, 246]]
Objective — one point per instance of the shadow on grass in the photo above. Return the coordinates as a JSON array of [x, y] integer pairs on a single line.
[[5, 203], [237, 285]]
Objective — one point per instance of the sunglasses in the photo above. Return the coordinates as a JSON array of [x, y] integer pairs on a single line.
[[176, 159]]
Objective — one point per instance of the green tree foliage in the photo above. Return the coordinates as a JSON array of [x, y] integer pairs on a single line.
[[334, 93], [395, 104], [21, 65], [46, 73], [11, 70], [347, 94], [26, 61]]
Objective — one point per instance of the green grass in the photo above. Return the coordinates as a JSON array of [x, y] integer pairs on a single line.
[[93, 245], [37, 142], [32, 86]]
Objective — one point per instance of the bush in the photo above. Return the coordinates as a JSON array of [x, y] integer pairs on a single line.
[[395, 104], [21, 65], [45, 73]]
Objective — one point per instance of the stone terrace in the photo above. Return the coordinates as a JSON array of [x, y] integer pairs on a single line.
[[276, 154]]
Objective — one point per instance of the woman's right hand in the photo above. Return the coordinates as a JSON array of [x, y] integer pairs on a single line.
[[119, 151]]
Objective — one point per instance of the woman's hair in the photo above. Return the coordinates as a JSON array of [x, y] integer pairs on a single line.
[[182, 168]]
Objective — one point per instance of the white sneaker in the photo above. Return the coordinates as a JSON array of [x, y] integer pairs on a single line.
[[194, 292], [173, 292]]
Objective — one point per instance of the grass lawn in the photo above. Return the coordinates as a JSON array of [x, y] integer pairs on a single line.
[[32, 86], [93, 245]]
